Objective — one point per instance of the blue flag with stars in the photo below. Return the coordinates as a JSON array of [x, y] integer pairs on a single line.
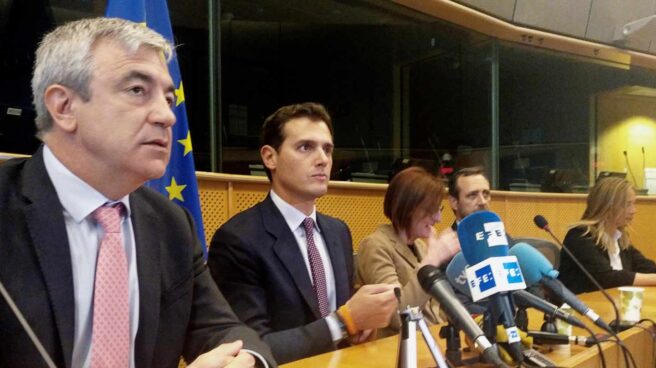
[[179, 182]]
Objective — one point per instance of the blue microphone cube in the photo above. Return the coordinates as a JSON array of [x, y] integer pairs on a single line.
[[482, 235]]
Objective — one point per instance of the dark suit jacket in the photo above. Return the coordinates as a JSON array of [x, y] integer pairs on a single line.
[[181, 310], [255, 260], [597, 262]]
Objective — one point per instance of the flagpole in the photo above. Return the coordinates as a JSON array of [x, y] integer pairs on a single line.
[[215, 91]]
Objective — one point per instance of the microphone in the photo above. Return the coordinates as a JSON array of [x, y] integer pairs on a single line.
[[537, 269], [540, 337], [432, 280], [523, 297], [628, 167], [643, 159], [26, 327], [455, 271], [543, 224], [484, 244]]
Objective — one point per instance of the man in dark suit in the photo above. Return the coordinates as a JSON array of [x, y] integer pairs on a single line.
[[103, 96], [286, 269], [469, 192]]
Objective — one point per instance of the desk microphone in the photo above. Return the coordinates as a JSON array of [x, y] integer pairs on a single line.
[[543, 224], [26, 326], [537, 269], [540, 337], [628, 167]]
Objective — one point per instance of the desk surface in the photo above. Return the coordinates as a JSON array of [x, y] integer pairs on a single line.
[[382, 353]]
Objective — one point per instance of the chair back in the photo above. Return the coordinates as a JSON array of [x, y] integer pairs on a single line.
[[548, 248]]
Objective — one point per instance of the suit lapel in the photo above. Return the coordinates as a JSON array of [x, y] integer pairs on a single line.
[[402, 249], [48, 232], [285, 247], [335, 249], [148, 270]]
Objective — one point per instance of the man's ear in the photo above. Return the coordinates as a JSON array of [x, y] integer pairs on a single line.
[[60, 102], [453, 202], [269, 157]]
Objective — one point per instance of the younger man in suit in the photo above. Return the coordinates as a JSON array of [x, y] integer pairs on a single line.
[[108, 273], [286, 269]]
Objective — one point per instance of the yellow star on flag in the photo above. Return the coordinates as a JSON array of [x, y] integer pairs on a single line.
[[179, 95], [175, 190], [186, 143]]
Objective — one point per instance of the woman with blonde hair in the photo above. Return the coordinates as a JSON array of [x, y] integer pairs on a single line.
[[600, 241], [395, 252]]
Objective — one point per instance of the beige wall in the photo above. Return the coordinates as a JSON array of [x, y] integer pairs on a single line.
[[361, 207]]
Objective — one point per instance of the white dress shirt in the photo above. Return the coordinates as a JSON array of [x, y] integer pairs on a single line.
[[79, 200], [614, 254]]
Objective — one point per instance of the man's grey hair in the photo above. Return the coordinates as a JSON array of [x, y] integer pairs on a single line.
[[64, 56]]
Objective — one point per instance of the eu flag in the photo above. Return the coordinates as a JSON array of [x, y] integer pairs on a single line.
[[179, 182]]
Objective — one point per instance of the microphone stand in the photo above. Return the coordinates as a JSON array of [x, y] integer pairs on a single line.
[[452, 336], [613, 331], [521, 318], [412, 317], [585, 272], [549, 324]]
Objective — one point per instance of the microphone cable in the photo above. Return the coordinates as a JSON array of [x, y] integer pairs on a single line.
[[598, 345], [652, 334]]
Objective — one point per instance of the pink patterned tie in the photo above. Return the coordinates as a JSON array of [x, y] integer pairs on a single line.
[[110, 342], [316, 265]]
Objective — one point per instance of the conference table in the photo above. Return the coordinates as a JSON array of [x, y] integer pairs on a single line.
[[383, 352]]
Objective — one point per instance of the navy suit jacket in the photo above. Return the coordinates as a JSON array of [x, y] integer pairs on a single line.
[[181, 310], [255, 260]]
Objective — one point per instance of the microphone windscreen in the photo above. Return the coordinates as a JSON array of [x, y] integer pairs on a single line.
[[455, 272], [534, 264], [427, 276], [482, 235], [540, 221]]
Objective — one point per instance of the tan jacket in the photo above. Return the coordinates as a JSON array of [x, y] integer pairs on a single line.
[[384, 258]]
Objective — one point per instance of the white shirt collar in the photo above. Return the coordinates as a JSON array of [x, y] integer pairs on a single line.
[[293, 217], [618, 235], [77, 197], [616, 243]]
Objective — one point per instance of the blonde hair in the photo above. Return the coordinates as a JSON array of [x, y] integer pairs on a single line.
[[64, 56], [606, 199]]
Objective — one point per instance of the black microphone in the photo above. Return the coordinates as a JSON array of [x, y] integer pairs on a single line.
[[543, 224], [540, 337], [628, 167], [537, 269], [524, 298], [434, 282]]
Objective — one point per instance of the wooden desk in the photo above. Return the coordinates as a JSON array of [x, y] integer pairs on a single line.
[[382, 353]]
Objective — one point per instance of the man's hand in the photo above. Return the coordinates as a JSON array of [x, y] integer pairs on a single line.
[[225, 356], [362, 337], [441, 248], [372, 306]]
